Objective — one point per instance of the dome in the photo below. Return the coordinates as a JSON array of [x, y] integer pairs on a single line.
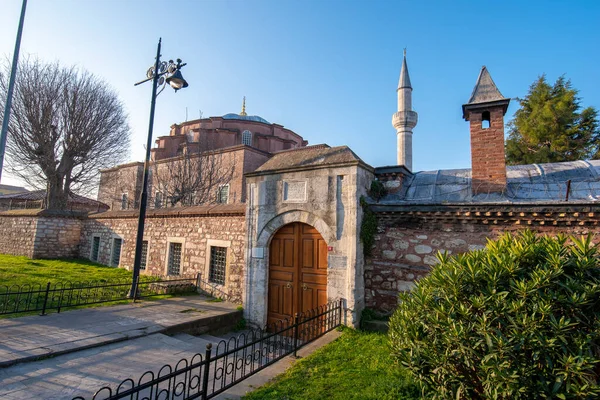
[[254, 118]]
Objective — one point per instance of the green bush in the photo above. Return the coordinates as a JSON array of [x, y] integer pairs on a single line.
[[517, 320], [377, 190]]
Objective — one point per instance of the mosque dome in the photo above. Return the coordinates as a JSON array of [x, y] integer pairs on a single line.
[[245, 117], [254, 118]]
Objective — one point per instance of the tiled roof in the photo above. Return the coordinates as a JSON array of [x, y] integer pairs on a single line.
[[309, 157], [202, 210], [41, 195], [485, 89], [534, 183], [7, 189]]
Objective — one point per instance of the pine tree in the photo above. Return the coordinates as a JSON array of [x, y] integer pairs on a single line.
[[549, 126]]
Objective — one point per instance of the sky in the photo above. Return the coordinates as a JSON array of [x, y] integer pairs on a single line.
[[327, 69]]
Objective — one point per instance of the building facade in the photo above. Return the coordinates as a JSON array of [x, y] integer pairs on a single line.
[[288, 237]]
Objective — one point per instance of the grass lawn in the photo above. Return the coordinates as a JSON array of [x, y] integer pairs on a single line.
[[16, 270], [355, 366], [35, 274]]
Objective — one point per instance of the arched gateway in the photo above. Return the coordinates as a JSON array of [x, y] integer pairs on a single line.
[[297, 271]]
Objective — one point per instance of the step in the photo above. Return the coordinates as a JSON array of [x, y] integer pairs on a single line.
[[196, 342]]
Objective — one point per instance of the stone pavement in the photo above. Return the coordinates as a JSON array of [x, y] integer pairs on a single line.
[[35, 337], [83, 372]]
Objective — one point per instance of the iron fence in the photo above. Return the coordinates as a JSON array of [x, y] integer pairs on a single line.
[[28, 298], [213, 290], [205, 376]]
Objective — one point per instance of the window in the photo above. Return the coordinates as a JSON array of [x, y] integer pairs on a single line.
[[218, 263], [95, 248], [124, 202], [144, 254], [158, 200], [223, 194], [247, 138], [174, 265], [115, 258], [485, 120]]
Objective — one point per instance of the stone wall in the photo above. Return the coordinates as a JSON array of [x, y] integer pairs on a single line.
[[57, 237], [17, 234], [409, 238], [196, 228], [40, 233]]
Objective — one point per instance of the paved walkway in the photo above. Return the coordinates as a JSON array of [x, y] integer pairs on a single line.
[[83, 372], [35, 337]]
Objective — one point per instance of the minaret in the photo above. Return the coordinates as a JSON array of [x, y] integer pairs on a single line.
[[405, 119]]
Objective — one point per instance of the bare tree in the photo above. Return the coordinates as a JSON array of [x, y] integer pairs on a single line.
[[65, 125], [192, 178]]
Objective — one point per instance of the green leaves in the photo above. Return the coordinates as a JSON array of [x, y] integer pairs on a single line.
[[550, 128], [517, 320]]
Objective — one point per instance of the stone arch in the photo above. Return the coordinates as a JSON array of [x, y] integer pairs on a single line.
[[288, 217]]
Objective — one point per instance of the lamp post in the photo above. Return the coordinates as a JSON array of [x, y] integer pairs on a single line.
[[156, 74]]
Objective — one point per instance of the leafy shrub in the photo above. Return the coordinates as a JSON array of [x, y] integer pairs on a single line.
[[377, 190], [517, 320], [368, 228]]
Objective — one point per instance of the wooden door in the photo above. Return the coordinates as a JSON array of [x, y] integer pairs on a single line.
[[297, 271]]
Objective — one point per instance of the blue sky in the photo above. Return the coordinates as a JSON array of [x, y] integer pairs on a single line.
[[326, 69]]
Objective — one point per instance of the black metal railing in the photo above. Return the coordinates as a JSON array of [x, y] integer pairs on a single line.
[[213, 290], [29, 298], [204, 376]]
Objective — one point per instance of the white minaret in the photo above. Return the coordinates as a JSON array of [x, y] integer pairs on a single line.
[[405, 119]]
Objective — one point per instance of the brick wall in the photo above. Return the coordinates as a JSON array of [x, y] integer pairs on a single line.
[[408, 239], [194, 227], [487, 152]]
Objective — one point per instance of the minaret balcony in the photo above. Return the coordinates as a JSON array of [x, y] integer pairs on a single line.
[[405, 120]]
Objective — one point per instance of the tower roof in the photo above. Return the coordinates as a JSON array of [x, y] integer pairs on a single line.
[[485, 95], [485, 89], [404, 78]]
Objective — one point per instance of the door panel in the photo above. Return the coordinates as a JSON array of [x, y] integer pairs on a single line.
[[297, 271]]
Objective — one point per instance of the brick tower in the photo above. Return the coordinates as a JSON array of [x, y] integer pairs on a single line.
[[405, 119], [485, 113]]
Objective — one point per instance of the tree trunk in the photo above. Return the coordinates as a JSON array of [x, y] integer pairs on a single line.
[[56, 198]]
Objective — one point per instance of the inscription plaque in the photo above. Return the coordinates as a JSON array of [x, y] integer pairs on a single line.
[[294, 191]]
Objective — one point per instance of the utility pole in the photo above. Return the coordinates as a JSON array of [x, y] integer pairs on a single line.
[[11, 86]]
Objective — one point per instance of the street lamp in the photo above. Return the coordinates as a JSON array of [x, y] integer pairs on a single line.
[[156, 74]]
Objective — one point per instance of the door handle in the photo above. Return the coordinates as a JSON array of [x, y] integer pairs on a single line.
[[304, 287], [289, 285]]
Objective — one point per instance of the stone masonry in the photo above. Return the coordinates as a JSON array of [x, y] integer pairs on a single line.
[[196, 228], [40, 234], [409, 238]]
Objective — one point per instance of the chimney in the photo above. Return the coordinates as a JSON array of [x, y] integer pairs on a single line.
[[485, 112]]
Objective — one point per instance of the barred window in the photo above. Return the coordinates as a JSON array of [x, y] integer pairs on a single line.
[[95, 248], [174, 266], [247, 138], [124, 201], [223, 194], [116, 252], [218, 263], [144, 254]]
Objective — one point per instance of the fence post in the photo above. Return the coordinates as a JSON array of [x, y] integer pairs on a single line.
[[296, 325], [198, 279], [206, 371], [60, 299], [340, 311], [46, 299]]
